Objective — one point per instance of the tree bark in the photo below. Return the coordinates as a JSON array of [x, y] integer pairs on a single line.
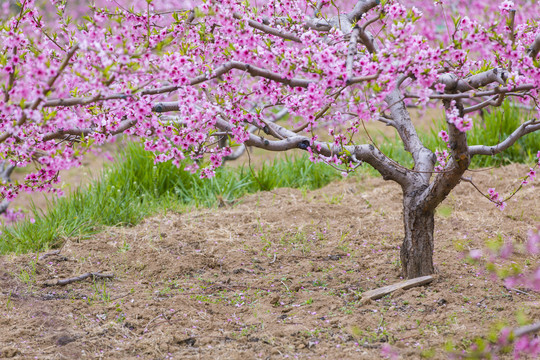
[[417, 249]]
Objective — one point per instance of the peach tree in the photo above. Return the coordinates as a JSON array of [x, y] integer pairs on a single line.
[[199, 81]]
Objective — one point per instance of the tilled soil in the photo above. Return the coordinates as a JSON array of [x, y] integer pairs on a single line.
[[275, 275]]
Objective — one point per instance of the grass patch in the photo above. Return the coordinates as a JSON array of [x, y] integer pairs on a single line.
[[133, 188]]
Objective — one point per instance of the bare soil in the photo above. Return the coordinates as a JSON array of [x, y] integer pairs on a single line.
[[276, 275]]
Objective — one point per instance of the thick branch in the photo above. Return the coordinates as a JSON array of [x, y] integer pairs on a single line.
[[535, 47], [240, 150], [459, 162], [424, 159], [367, 153], [453, 84], [6, 168], [345, 22], [352, 51], [524, 129], [367, 39], [318, 24], [83, 100], [359, 79], [361, 7], [263, 143]]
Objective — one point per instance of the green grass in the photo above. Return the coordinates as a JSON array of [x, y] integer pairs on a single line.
[[133, 188]]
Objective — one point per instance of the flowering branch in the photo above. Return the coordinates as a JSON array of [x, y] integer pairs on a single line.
[[268, 29], [62, 133]]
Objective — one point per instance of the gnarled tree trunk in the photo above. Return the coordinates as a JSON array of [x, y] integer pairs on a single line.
[[417, 248]]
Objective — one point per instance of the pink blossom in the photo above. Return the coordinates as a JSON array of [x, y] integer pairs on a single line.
[[444, 136], [475, 254], [532, 174], [506, 5]]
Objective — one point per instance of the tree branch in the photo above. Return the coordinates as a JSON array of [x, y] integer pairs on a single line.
[[524, 330], [424, 159], [489, 102], [524, 129], [345, 22], [361, 7], [62, 133], [535, 47], [469, 95], [221, 70], [366, 153], [453, 84], [352, 51], [359, 79], [459, 162], [50, 83], [268, 29], [367, 39]]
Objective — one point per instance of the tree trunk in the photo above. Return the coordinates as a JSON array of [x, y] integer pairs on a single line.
[[417, 249]]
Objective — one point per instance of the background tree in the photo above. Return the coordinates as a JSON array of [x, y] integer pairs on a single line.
[[204, 79]]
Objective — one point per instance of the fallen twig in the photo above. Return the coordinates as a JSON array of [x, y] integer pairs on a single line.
[[63, 282], [379, 293], [46, 255], [516, 290]]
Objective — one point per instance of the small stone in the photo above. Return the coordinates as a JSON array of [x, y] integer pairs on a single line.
[[441, 302], [64, 339], [275, 300]]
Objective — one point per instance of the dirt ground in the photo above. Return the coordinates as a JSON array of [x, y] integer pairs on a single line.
[[276, 275]]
